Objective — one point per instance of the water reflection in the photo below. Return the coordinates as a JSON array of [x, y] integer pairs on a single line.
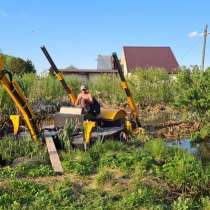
[[200, 150]]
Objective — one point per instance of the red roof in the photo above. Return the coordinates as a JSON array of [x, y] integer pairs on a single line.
[[146, 57]]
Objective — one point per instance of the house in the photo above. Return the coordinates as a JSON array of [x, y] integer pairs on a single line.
[[87, 74], [132, 58], [104, 62], [104, 67], [146, 57]]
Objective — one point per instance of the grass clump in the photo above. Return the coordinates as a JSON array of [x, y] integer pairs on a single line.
[[79, 162], [12, 148], [183, 170], [183, 203], [25, 170], [104, 176], [65, 135], [201, 135], [156, 149]]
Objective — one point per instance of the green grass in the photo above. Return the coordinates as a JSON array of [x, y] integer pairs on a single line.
[[110, 175], [12, 148]]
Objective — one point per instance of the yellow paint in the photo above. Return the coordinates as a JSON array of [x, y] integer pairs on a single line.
[[59, 76], [133, 107], [88, 127], [124, 85], [20, 92], [16, 123], [72, 98], [112, 114], [7, 86], [128, 126]]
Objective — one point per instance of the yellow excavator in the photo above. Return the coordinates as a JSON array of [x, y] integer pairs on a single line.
[[108, 122]]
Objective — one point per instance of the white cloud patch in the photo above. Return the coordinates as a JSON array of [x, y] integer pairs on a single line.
[[3, 13], [195, 34]]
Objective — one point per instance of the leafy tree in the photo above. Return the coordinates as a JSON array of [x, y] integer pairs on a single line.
[[18, 65]]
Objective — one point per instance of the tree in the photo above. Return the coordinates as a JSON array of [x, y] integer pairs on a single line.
[[18, 65]]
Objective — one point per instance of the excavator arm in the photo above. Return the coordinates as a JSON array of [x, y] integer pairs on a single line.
[[20, 101], [124, 85], [59, 76]]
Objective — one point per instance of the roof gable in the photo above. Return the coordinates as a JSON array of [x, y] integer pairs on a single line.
[[146, 57]]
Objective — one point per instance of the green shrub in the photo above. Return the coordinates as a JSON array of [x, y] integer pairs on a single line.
[[192, 91], [203, 134], [183, 170], [156, 148], [102, 88], [151, 87]]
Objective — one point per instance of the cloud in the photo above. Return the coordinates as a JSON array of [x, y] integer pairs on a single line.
[[194, 34], [3, 13]]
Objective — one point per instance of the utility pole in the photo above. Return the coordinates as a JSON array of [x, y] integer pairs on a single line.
[[205, 34]]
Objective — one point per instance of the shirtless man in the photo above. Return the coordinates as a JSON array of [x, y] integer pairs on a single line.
[[84, 99]]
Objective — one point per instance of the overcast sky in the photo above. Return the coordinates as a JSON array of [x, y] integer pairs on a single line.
[[76, 31]]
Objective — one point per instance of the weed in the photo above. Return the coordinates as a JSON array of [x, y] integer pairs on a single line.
[[104, 176], [12, 148], [156, 148], [184, 170]]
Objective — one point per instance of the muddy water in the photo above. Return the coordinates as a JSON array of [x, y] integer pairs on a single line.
[[199, 150]]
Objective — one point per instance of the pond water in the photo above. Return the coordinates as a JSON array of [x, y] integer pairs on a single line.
[[200, 150]]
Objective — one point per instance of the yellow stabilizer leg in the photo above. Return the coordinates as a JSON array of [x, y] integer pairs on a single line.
[[16, 123], [13, 90], [88, 127]]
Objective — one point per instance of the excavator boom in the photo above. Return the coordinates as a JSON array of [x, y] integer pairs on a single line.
[[59, 76], [124, 85]]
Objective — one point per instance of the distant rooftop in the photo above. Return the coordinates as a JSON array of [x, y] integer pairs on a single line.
[[146, 57], [104, 62], [83, 71]]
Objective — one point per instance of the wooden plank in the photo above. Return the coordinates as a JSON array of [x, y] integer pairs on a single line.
[[54, 158], [71, 110], [60, 119]]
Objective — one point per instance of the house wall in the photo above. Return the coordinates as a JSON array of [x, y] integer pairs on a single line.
[[124, 64], [87, 76]]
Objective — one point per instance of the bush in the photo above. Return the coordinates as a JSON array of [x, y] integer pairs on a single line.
[[192, 91], [18, 65], [151, 87], [203, 134], [156, 148], [183, 170]]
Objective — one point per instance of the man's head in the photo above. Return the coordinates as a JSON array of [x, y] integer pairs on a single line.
[[83, 88]]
